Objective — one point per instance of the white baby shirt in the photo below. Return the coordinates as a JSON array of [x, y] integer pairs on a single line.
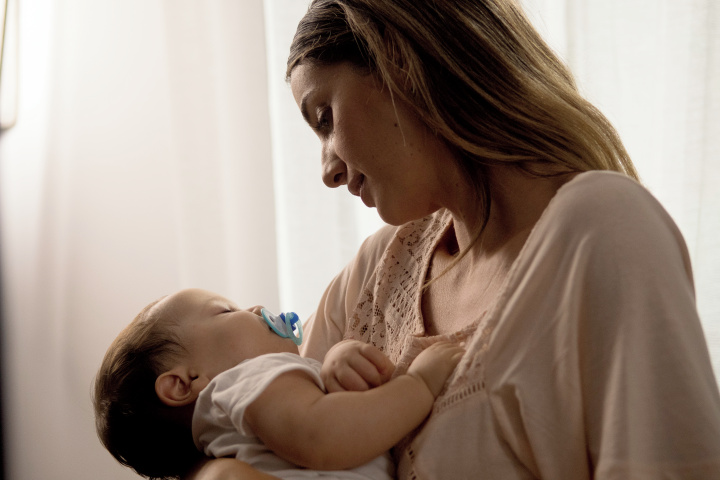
[[219, 428]]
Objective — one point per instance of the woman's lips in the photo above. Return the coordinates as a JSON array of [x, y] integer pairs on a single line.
[[355, 185], [357, 188], [365, 195]]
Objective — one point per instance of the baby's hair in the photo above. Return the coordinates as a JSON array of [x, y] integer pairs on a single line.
[[132, 423]]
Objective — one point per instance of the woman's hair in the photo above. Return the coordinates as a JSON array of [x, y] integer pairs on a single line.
[[133, 424], [477, 73]]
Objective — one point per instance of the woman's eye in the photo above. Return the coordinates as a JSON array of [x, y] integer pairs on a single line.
[[324, 120]]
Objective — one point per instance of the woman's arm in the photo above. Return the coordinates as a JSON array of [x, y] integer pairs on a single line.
[[326, 326], [348, 365], [226, 469], [336, 431]]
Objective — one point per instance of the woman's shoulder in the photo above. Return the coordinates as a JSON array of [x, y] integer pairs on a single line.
[[371, 251], [613, 216], [603, 199], [598, 188], [379, 240]]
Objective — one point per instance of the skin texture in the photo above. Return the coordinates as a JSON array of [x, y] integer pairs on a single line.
[[407, 174], [217, 335], [355, 366], [397, 171], [226, 469], [385, 155], [346, 429], [493, 88], [335, 431]]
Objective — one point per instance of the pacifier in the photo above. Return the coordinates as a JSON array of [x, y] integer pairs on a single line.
[[284, 325]]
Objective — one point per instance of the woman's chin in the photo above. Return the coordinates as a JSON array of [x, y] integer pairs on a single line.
[[397, 218]]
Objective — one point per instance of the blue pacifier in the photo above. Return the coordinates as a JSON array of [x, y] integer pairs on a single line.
[[285, 325]]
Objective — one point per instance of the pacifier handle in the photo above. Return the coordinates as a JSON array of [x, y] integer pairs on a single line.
[[292, 321], [284, 325]]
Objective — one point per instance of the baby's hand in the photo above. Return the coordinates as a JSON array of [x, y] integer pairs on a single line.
[[435, 364], [352, 365]]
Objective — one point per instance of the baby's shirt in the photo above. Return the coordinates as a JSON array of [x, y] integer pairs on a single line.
[[220, 430]]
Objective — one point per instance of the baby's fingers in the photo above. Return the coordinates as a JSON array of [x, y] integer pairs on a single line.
[[435, 364], [367, 370], [382, 367], [448, 351], [355, 366], [345, 379]]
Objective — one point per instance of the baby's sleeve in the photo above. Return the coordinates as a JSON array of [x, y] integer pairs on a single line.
[[221, 405]]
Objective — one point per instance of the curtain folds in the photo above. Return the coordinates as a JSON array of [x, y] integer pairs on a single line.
[[318, 229], [158, 147], [653, 67], [140, 164]]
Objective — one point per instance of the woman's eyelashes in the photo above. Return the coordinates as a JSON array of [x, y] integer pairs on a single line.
[[324, 120]]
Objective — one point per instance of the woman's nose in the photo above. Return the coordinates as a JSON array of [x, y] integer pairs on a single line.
[[334, 170]]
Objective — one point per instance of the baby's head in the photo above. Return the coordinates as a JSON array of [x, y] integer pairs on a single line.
[[155, 369]]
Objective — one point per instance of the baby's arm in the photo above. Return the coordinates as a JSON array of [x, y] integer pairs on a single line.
[[355, 366], [341, 430], [225, 469]]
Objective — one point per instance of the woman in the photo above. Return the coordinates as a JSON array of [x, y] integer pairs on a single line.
[[516, 227]]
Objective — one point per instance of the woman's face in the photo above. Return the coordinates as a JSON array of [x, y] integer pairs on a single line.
[[379, 149]]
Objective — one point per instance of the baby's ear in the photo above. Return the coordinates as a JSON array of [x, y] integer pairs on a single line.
[[178, 387]]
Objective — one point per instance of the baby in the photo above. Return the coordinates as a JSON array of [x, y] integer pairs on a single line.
[[195, 373]]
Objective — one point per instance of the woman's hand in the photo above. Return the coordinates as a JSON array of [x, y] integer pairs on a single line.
[[226, 469], [352, 365]]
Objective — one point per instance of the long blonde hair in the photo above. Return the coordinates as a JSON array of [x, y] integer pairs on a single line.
[[477, 73]]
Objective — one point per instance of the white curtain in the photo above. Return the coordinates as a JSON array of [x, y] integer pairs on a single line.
[[157, 146], [653, 67]]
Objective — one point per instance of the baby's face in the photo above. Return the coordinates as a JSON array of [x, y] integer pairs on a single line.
[[217, 334]]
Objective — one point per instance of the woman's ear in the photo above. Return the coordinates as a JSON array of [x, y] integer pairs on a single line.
[[179, 387]]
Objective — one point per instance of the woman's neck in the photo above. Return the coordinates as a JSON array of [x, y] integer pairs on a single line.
[[517, 202], [461, 288]]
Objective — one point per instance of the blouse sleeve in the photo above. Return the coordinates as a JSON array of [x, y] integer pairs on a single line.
[[600, 358], [650, 394], [326, 326]]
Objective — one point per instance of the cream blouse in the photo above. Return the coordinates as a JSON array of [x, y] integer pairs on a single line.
[[591, 364]]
